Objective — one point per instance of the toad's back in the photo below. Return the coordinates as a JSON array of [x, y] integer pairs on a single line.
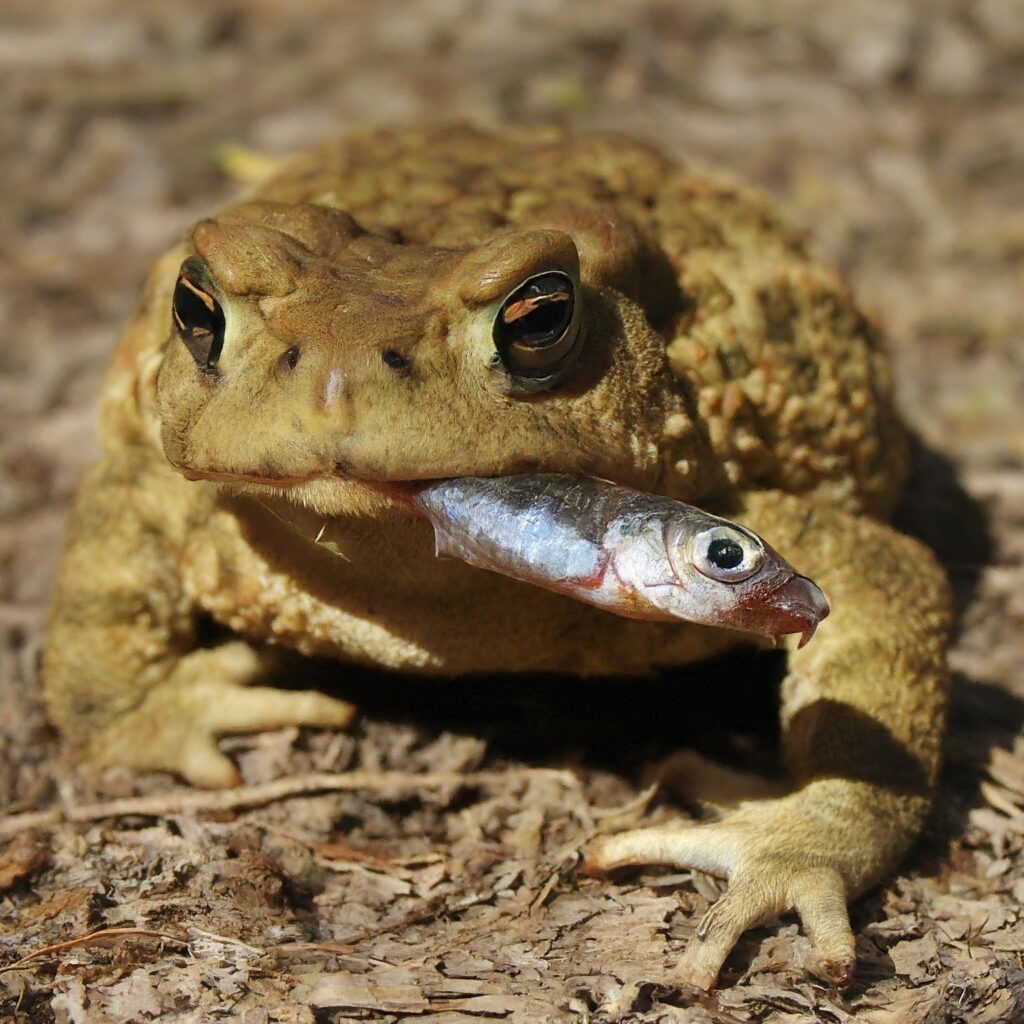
[[788, 377]]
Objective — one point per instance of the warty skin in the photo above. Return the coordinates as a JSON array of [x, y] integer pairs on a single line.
[[714, 361]]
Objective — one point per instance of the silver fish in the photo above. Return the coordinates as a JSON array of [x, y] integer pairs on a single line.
[[638, 555]]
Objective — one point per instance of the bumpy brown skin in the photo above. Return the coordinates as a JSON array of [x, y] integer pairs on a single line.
[[719, 364]]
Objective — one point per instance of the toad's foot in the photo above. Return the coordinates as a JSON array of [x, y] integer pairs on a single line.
[[771, 869], [207, 695]]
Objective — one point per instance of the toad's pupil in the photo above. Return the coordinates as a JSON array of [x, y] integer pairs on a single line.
[[725, 553]]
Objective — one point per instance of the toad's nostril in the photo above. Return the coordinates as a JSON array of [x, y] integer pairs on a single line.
[[332, 390], [397, 362]]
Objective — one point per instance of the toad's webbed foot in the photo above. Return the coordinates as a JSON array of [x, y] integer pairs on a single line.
[[777, 856], [207, 695]]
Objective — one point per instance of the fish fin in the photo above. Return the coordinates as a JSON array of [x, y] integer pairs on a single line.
[[444, 547], [669, 581], [334, 549], [585, 583]]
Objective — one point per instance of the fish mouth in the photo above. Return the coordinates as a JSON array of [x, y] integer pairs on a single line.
[[796, 605]]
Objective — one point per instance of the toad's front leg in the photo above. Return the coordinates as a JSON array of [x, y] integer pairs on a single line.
[[121, 677], [862, 719]]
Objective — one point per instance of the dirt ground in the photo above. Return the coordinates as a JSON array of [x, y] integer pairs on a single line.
[[424, 867]]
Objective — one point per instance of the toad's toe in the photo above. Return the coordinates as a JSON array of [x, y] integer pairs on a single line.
[[766, 877]]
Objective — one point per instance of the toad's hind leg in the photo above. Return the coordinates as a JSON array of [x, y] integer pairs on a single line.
[[696, 779], [862, 718], [122, 679]]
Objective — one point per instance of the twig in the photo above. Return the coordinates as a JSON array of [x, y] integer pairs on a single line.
[[226, 940], [99, 934], [191, 800], [13, 824], [21, 616]]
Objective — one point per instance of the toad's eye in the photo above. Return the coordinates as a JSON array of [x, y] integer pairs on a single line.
[[535, 329], [198, 318], [727, 554]]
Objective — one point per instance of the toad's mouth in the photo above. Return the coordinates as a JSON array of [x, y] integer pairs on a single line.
[[315, 490], [307, 505], [222, 476]]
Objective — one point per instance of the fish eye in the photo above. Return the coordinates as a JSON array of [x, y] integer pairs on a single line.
[[727, 554], [198, 316], [535, 329]]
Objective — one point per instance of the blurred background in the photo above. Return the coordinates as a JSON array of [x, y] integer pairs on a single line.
[[892, 132]]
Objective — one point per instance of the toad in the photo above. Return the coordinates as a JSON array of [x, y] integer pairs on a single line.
[[431, 303]]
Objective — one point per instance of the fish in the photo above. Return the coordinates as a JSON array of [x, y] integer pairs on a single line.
[[639, 555]]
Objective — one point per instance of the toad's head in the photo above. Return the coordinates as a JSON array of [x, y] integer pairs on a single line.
[[311, 357]]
